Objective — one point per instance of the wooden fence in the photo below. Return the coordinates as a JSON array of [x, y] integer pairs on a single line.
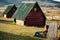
[[53, 30]]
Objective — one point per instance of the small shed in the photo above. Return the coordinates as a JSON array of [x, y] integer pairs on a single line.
[[9, 11], [29, 13]]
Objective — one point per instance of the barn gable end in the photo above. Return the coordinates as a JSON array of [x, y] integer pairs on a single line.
[[26, 13], [35, 17], [9, 11]]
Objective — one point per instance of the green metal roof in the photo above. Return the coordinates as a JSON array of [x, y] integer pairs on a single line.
[[8, 8], [23, 10]]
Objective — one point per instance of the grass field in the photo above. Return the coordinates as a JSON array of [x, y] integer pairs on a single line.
[[10, 31]]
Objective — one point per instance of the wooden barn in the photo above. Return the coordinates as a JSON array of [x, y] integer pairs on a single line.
[[9, 11], [29, 13]]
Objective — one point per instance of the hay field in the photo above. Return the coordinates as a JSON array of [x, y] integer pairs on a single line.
[[2, 8], [51, 11]]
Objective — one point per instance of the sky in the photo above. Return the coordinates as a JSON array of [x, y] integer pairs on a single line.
[[57, 0]]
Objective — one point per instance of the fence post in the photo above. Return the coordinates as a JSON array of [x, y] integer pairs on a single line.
[[53, 31]]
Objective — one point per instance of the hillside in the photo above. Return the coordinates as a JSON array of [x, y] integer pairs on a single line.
[[46, 3]]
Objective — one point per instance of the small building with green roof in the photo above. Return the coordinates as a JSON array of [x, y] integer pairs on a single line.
[[29, 13], [9, 11]]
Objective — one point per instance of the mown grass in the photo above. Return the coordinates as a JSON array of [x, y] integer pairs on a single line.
[[10, 36], [10, 31]]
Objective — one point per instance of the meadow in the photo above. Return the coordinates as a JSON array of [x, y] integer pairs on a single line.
[[10, 31]]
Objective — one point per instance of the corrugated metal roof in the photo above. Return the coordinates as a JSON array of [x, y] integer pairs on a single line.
[[8, 8], [23, 10]]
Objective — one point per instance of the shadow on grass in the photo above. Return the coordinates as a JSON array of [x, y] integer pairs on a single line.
[[5, 21], [9, 36]]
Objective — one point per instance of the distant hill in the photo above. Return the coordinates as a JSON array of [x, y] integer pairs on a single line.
[[48, 3], [6, 2]]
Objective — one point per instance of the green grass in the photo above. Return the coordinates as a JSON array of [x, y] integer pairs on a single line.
[[10, 31], [10, 36]]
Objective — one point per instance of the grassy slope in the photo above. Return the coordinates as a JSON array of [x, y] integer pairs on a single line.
[[10, 31]]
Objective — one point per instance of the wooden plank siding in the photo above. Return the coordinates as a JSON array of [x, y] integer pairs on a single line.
[[35, 18], [11, 12]]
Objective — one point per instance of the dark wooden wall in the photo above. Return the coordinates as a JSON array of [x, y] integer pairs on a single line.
[[35, 18], [11, 12]]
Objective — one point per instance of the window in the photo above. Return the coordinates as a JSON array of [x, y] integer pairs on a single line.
[[14, 9], [35, 9]]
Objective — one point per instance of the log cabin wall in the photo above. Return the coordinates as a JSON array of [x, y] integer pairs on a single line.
[[11, 12], [35, 17]]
